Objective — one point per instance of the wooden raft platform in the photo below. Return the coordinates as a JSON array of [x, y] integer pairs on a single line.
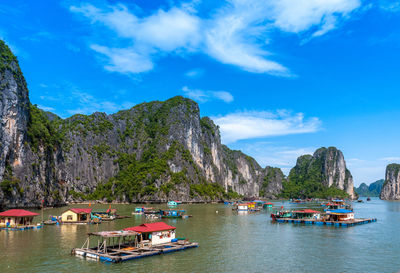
[[116, 254], [348, 223], [22, 227]]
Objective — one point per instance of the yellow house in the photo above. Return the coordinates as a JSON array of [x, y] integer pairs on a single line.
[[76, 216]]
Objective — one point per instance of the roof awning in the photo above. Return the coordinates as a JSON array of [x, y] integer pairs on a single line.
[[17, 213]]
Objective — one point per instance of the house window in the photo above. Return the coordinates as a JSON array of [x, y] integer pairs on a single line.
[[69, 217]]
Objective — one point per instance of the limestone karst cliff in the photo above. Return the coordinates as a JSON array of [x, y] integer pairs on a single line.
[[391, 186], [153, 151], [320, 175]]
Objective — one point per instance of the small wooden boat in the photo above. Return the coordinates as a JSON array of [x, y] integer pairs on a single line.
[[268, 205], [172, 213], [172, 203], [368, 199], [281, 214]]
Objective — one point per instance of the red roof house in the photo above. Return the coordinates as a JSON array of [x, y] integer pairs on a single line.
[[75, 215], [80, 211], [17, 213], [151, 227], [16, 217]]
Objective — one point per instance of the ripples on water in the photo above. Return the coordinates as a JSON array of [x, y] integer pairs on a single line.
[[228, 243]]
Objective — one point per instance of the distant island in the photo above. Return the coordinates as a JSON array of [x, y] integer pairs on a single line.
[[373, 190]]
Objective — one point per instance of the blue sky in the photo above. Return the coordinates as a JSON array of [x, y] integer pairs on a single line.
[[280, 77]]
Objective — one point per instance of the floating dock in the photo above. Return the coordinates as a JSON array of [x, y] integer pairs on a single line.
[[121, 254], [22, 227], [348, 223], [128, 244]]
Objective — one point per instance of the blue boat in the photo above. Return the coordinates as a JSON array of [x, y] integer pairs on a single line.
[[172, 213], [172, 203]]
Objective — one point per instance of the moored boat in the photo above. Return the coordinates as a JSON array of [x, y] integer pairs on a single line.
[[172, 203], [268, 205], [172, 213], [281, 214]]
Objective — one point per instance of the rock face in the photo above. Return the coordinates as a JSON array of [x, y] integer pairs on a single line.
[[327, 166], [373, 190], [152, 152], [391, 186]]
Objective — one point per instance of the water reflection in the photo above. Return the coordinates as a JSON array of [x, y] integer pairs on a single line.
[[228, 242]]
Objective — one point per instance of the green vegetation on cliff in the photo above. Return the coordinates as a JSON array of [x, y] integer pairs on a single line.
[[8, 61], [42, 131], [305, 180]]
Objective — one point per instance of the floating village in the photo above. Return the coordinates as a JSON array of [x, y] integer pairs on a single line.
[[155, 237]]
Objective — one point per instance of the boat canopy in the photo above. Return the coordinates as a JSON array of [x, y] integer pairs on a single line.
[[306, 211], [150, 227], [340, 211], [116, 233]]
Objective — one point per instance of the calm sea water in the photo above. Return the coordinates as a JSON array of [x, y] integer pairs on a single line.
[[228, 243]]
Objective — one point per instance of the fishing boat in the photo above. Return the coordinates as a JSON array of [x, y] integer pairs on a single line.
[[104, 215], [368, 199], [268, 205], [281, 214], [136, 242], [145, 210], [172, 213], [53, 220], [337, 218]]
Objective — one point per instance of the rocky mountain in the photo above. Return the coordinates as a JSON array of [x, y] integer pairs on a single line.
[[391, 186], [323, 174], [373, 190], [154, 151]]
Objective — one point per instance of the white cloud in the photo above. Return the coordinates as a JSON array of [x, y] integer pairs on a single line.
[[300, 15], [46, 108], [253, 124], [204, 95], [391, 159], [164, 31], [124, 60], [194, 73], [390, 5], [236, 33]]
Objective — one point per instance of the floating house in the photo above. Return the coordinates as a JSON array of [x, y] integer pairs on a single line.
[[17, 219], [76, 216], [133, 243], [340, 215], [154, 233], [242, 207], [337, 218], [306, 214]]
